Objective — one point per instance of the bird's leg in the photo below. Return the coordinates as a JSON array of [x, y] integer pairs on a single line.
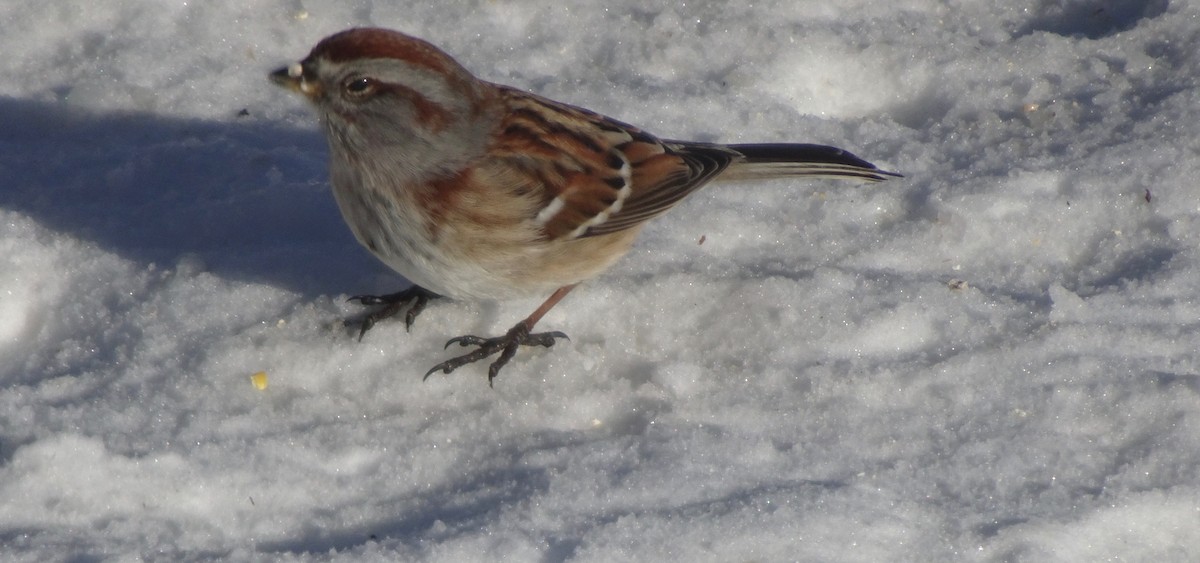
[[414, 299], [506, 345]]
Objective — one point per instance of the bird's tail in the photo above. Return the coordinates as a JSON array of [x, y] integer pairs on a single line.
[[781, 160]]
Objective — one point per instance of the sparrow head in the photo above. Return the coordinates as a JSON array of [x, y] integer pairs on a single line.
[[382, 89]]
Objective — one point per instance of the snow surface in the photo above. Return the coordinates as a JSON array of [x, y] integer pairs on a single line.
[[995, 358]]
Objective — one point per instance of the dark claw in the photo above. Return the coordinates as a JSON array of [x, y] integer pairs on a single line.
[[506, 345], [415, 309], [546, 338], [467, 340], [414, 299]]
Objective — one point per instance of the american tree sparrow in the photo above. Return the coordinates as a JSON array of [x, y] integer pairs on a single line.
[[474, 190]]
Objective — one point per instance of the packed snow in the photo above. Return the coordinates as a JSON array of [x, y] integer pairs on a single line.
[[994, 358]]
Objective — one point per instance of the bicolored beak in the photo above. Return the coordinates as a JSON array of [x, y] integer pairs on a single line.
[[297, 78]]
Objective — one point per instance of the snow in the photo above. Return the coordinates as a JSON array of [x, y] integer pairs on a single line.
[[995, 358]]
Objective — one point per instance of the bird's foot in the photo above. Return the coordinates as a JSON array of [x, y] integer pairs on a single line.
[[412, 300], [506, 345]]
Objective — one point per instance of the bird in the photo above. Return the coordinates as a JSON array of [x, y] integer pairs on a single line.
[[474, 190]]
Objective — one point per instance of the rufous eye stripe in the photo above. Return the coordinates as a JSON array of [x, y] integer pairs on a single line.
[[429, 114]]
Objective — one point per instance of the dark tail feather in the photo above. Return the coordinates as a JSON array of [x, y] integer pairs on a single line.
[[776, 160]]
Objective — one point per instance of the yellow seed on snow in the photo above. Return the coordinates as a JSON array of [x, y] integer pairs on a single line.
[[259, 380]]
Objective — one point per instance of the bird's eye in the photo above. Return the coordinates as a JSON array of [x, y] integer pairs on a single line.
[[360, 87]]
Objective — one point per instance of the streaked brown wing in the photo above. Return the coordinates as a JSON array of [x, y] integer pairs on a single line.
[[662, 180], [568, 158], [599, 175]]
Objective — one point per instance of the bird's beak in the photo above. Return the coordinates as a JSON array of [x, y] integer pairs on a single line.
[[297, 78]]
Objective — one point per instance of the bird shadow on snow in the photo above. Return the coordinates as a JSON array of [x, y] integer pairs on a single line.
[[248, 198]]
